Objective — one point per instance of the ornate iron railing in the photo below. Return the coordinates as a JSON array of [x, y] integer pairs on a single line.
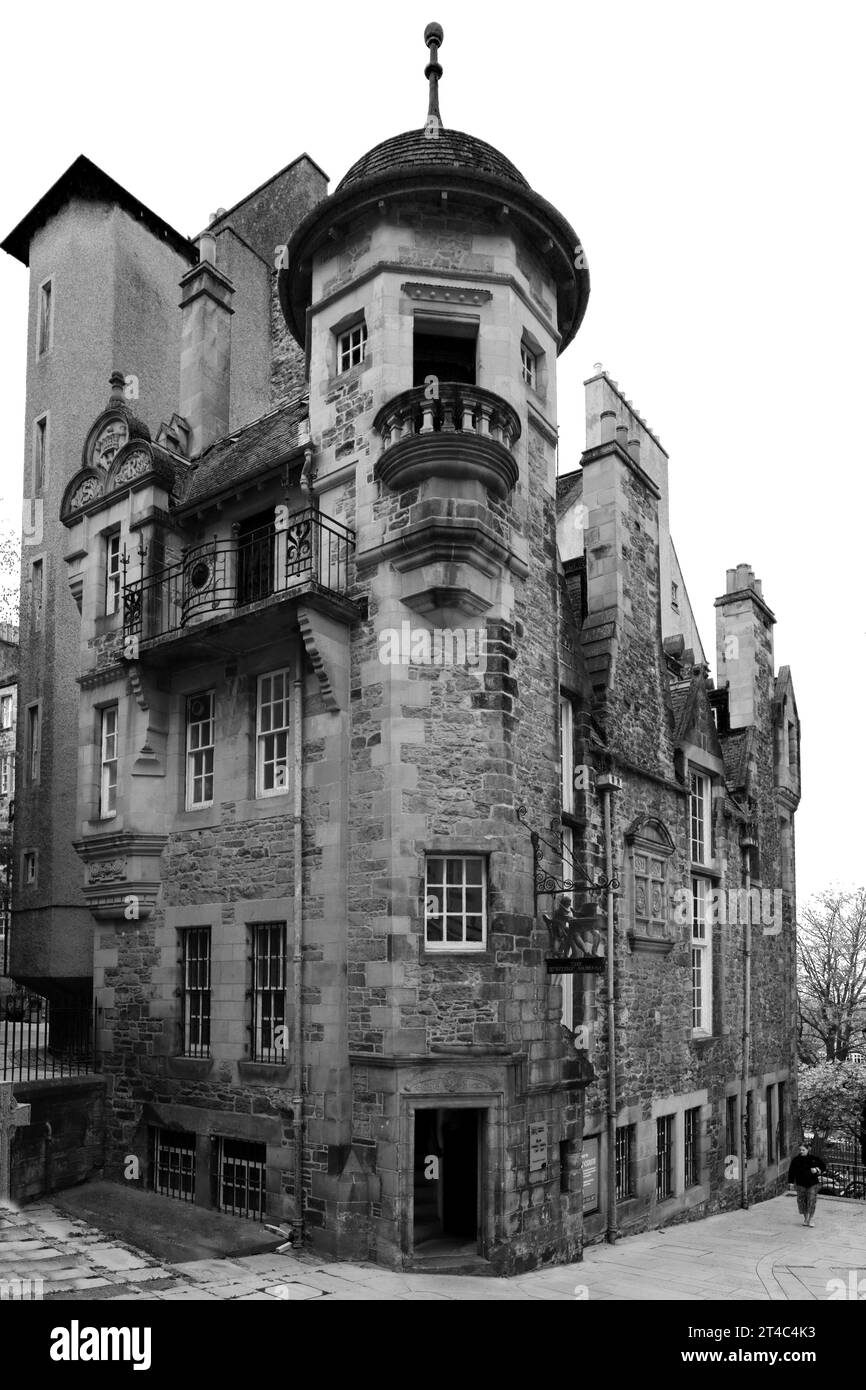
[[221, 576]]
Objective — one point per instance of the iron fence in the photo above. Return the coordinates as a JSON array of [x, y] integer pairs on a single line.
[[40, 1040], [223, 576]]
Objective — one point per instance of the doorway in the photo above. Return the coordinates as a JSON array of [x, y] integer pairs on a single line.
[[446, 1188]]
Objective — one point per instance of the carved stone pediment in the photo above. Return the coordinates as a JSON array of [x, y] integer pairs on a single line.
[[424, 1081]]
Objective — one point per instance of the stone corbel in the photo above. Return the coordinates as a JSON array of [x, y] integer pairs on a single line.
[[327, 645], [121, 874]]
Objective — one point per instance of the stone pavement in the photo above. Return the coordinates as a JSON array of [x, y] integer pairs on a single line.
[[761, 1254]]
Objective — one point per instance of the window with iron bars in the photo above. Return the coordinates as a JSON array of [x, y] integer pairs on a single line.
[[624, 1157], [782, 1127], [269, 1031], [664, 1157], [692, 1147], [241, 1179], [750, 1124], [732, 1126], [196, 991], [174, 1165]]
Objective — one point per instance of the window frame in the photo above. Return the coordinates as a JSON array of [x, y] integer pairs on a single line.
[[463, 946], [705, 857], [40, 452], [566, 754], [197, 756], [196, 991], [692, 1147], [528, 365], [29, 859], [275, 732], [107, 786], [275, 994], [665, 1177], [345, 336], [701, 959], [184, 1173], [770, 1122], [781, 1120], [732, 1125], [112, 573], [6, 702], [625, 1190], [45, 321], [7, 774], [37, 593], [246, 1165], [34, 743]]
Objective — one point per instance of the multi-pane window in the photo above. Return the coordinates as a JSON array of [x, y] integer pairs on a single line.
[[45, 318], [108, 763], [351, 347], [7, 775], [455, 903], [269, 992], [770, 1107], [272, 734], [196, 991], [174, 1165], [5, 712], [624, 1162], [692, 1147], [112, 573], [566, 753], [199, 750], [664, 1157], [750, 1124], [782, 1126], [700, 818], [40, 452], [732, 1126], [33, 740], [528, 365], [30, 866], [242, 1178], [37, 591], [702, 959]]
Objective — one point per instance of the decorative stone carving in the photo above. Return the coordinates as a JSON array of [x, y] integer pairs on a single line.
[[102, 870], [133, 466], [84, 493], [423, 1082]]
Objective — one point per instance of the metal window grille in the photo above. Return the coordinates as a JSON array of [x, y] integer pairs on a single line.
[[455, 904], [664, 1157], [174, 1165], [272, 733], [624, 1153], [771, 1128], [200, 749], [692, 1147], [269, 992], [242, 1178], [112, 573], [732, 1127], [108, 761], [352, 347], [196, 991]]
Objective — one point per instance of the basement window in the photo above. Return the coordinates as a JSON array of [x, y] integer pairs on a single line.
[[446, 349], [241, 1182], [174, 1165]]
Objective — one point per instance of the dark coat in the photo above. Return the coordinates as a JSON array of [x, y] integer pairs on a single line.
[[800, 1171]]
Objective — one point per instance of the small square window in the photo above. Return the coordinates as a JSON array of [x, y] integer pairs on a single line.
[[351, 347], [529, 366], [455, 903]]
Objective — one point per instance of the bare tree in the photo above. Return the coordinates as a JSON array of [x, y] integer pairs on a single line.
[[832, 975], [10, 574]]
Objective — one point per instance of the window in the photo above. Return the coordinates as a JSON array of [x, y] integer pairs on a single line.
[[33, 732], [624, 1162], [566, 982], [566, 753], [770, 1106], [445, 348], [750, 1124], [692, 1147], [40, 452], [196, 991], [36, 595], [702, 959], [272, 734], [782, 1124], [112, 573], [199, 750], [7, 775], [108, 763], [5, 712], [732, 1126], [528, 365], [664, 1157], [46, 318], [455, 903], [700, 820], [675, 596], [242, 1178], [269, 992], [351, 347], [29, 866], [174, 1165]]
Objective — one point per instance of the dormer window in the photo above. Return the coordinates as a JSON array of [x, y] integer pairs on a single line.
[[351, 347]]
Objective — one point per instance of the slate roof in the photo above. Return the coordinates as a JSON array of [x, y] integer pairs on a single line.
[[415, 150], [249, 450], [735, 754], [680, 691], [569, 486]]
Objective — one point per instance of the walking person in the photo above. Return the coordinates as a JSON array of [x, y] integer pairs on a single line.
[[805, 1172]]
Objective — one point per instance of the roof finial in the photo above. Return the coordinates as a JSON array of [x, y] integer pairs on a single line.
[[433, 36]]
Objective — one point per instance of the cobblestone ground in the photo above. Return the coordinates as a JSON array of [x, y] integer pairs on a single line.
[[761, 1254]]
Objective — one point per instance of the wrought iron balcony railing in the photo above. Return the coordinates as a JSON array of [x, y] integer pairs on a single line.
[[448, 428], [217, 578]]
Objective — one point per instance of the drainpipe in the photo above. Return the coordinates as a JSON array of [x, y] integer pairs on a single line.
[[747, 1042], [297, 957], [608, 784]]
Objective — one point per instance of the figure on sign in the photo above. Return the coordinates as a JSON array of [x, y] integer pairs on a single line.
[[567, 939]]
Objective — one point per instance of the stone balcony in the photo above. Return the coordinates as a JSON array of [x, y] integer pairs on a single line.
[[462, 432]]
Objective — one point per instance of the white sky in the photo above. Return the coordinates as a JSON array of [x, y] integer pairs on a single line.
[[710, 158]]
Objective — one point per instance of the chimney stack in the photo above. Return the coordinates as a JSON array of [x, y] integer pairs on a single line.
[[205, 357]]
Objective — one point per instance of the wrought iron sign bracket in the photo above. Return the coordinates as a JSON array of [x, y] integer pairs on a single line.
[[547, 884]]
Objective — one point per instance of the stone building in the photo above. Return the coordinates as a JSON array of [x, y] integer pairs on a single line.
[[332, 639], [8, 720]]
